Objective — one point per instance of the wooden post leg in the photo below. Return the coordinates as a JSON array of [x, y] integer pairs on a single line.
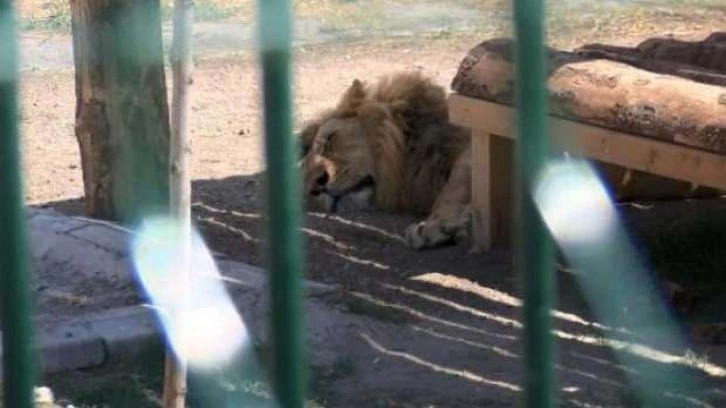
[[491, 190]]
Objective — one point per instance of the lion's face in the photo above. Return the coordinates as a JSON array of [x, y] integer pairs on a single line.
[[339, 165], [352, 154]]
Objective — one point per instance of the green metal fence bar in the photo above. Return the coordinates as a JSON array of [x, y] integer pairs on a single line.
[[15, 300], [283, 202], [534, 246]]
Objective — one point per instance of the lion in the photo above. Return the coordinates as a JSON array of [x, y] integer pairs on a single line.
[[391, 147]]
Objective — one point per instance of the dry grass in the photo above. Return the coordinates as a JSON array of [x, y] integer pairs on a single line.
[[572, 23], [55, 14]]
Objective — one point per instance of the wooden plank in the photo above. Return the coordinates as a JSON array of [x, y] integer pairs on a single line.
[[610, 146], [491, 191], [480, 191]]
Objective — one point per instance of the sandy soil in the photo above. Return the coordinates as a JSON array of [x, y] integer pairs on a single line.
[[361, 252]]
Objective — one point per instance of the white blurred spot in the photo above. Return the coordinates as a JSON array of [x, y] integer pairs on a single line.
[[573, 202], [197, 313]]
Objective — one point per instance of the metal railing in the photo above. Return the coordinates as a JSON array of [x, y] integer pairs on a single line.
[[284, 239], [15, 300], [534, 255]]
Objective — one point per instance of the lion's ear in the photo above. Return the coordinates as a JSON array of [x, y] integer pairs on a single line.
[[353, 97], [357, 88]]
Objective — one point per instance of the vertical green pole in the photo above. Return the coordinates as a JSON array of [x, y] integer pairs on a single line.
[[535, 255], [283, 202], [15, 300]]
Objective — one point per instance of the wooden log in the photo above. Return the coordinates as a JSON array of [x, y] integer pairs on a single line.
[[635, 59], [606, 93], [703, 61], [122, 119], [709, 53], [618, 96], [487, 71], [612, 95]]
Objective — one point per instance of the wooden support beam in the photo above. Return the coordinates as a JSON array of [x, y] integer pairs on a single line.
[[492, 176], [660, 158]]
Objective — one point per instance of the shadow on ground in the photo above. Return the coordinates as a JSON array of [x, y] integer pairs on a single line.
[[462, 310]]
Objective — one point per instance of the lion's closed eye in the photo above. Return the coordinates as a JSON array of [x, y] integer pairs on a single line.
[[325, 143]]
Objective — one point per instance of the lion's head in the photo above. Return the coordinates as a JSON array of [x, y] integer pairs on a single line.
[[352, 154], [388, 147]]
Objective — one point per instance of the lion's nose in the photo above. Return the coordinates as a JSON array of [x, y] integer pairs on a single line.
[[322, 179], [319, 183]]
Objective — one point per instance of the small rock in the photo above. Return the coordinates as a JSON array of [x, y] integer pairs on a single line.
[[43, 398]]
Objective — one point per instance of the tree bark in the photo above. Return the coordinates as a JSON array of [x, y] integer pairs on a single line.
[[613, 95], [122, 118]]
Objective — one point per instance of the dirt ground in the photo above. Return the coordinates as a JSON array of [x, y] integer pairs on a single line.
[[447, 287]]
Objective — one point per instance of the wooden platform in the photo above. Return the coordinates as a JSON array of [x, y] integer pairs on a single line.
[[652, 118], [492, 124]]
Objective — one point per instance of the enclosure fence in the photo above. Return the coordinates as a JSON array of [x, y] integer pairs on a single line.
[[534, 247], [15, 300], [285, 243]]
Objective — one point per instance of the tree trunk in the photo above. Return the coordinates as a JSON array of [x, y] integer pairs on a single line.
[[122, 118], [614, 95]]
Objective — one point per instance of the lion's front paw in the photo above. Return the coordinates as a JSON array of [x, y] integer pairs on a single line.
[[426, 235]]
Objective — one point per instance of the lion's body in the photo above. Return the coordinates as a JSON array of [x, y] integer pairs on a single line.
[[391, 146]]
